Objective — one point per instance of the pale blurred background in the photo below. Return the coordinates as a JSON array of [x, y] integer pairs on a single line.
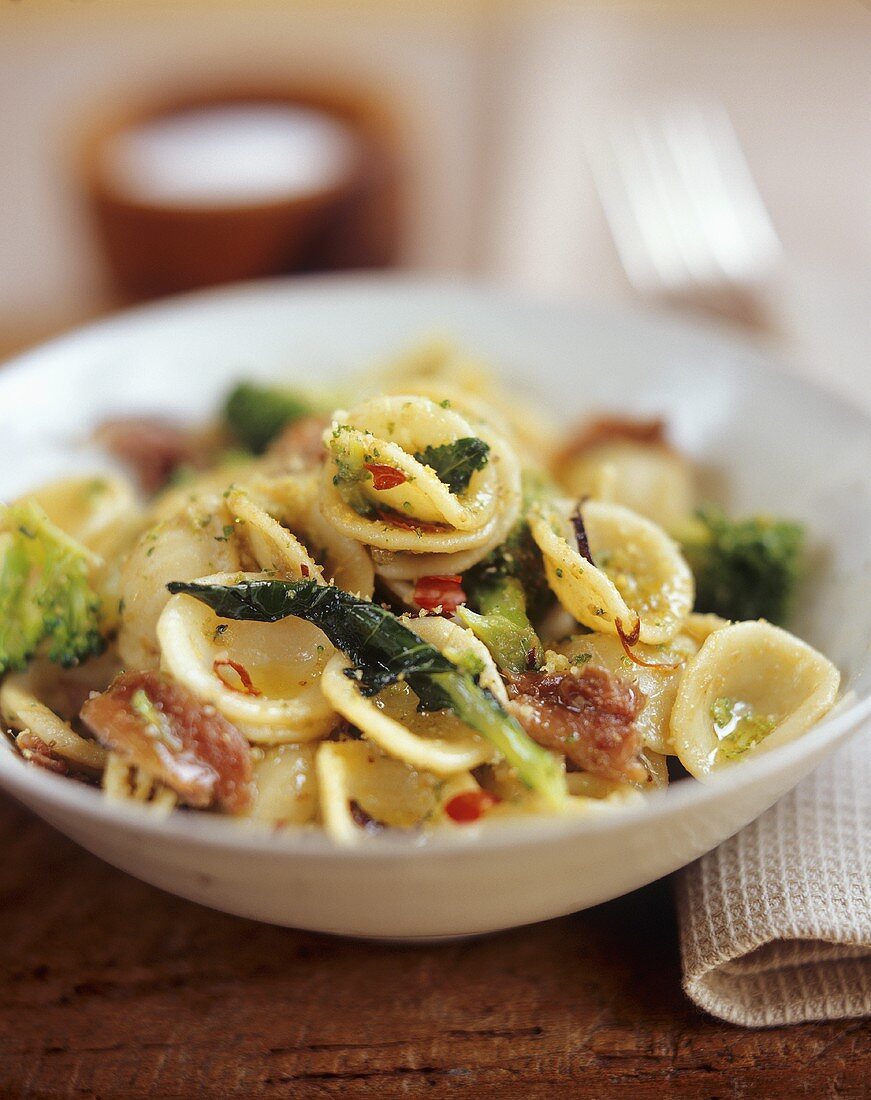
[[491, 115]]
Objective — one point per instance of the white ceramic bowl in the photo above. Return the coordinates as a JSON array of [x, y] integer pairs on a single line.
[[782, 444]]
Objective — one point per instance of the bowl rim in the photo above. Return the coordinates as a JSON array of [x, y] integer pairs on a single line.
[[32, 784]]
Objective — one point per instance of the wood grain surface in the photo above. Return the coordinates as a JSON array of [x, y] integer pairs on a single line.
[[111, 988]]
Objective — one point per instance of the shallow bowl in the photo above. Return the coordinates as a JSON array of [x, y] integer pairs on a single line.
[[781, 444]]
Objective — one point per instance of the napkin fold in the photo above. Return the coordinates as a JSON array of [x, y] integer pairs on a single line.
[[775, 924]]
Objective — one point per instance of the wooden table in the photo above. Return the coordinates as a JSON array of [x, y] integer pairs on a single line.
[[109, 987]]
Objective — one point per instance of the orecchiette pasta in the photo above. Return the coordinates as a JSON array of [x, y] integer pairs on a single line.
[[750, 686], [421, 613], [632, 576], [653, 481], [360, 787], [263, 677], [42, 731], [195, 542], [413, 509], [435, 742], [99, 512], [285, 785]]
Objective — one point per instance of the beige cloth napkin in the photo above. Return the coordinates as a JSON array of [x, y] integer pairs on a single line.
[[775, 924]]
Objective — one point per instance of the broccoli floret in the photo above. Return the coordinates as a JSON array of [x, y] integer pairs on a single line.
[[46, 600], [744, 569], [256, 414]]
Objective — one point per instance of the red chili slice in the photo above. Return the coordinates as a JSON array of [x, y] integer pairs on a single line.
[[246, 684], [396, 519], [445, 592], [469, 806], [385, 477]]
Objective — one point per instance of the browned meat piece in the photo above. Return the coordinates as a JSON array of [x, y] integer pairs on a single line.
[[36, 751], [587, 715], [608, 429], [152, 447], [157, 724]]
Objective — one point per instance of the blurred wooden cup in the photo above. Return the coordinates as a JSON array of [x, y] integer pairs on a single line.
[[216, 187]]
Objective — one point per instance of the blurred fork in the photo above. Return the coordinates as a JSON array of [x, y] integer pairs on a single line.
[[686, 216]]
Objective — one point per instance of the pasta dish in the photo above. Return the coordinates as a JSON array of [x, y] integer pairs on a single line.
[[409, 603]]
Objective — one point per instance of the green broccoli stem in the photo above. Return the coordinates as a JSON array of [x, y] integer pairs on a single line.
[[536, 767], [384, 651], [503, 624]]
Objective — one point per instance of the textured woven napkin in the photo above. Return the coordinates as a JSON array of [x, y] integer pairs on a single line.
[[775, 924]]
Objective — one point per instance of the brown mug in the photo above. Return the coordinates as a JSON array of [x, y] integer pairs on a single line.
[[157, 245]]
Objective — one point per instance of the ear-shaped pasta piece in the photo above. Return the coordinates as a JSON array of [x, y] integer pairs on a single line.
[[99, 512], [380, 489], [436, 742], [437, 369], [291, 500], [203, 486], [263, 677], [657, 680], [273, 547], [434, 361], [640, 579], [199, 540], [124, 781], [23, 711], [285, 785], [651, 480], [360, 790], [407, 566], [699, 626], [750, 688]]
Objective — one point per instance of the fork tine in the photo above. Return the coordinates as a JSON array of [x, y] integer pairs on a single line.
[[680, 201], [631, 209], [676, 210], [720, 189]]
